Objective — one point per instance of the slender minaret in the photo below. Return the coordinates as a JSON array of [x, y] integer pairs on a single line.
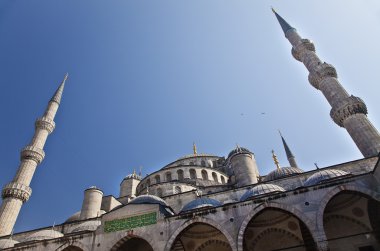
[[347, 110], [18, 191], [289, 154]]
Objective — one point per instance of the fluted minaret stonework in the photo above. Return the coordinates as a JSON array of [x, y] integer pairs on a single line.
[[347, 111], [18, 191]]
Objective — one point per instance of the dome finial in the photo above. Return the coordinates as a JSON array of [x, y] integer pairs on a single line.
[[194, 149], [276, 162]]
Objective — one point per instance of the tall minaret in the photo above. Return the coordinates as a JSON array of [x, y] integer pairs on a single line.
[[347, 110], [289, 154], [18, 191]]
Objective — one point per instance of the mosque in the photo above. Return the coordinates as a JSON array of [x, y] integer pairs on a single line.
[[205, 202]]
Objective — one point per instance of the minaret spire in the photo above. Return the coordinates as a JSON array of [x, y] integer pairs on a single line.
[[18, 191], [284, 25], [289, 154], [347, 111]]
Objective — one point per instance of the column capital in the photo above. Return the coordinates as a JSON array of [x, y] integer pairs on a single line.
[[17, 191]]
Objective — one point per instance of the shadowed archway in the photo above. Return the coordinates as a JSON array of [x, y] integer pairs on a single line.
[[276, 229], [72, 248], [351, 222], [132, 244], [200, 237]]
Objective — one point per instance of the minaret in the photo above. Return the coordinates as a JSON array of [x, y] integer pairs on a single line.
[[347, 111], [289, 154], [18, 191]]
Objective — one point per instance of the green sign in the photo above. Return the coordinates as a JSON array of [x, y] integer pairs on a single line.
[[130, 222]]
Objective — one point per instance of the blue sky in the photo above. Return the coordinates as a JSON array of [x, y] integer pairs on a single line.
[[147, 78]]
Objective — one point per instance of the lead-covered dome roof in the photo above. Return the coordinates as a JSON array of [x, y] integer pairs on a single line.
[[282, 172], [44, 235], [239, 150], [7, 243], [200, 203], [148, 199], [261, 189], [322, 175]]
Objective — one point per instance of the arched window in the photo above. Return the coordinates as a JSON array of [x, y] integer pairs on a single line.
[[203, 163], [177, 190], [159, 192], [148, 182], [204, 175], [180, 174], [157, 178], [223, 180], [215, 177], [193, 174], [168, 176]]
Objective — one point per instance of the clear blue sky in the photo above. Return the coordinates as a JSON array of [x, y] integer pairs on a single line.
[[147, 78]]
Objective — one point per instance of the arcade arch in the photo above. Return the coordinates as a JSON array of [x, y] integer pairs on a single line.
[[134, 243], [271, 224], [201, 237], [351, 221]]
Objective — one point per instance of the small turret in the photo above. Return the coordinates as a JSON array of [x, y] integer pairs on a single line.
[[92, 202], [244, 166], [129, 184]]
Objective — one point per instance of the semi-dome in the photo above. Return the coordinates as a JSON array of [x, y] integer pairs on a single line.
[[322, 175], [261, 189], [200, 203], [74, 217], [282, 172], [44, 235], [148, 199], [7, 243], [87, 226], [239, 150]]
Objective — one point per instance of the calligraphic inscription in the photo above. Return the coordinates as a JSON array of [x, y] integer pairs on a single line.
[[130, 222]]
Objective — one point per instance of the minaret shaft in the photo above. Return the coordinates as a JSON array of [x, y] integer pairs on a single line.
[[347, 110], [18, 191]]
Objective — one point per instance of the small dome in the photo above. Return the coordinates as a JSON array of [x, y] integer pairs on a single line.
[[74, 217], [282, 172], [86, 226], [322, 175], [201, 202], [7, 243], [44, 235], [239, 150], [261, 189], [148, 199]]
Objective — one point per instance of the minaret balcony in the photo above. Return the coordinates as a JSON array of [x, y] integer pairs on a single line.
[[350, 106], [45, 124], [17, 191], [324, 70], [33, 153], [305, 45]]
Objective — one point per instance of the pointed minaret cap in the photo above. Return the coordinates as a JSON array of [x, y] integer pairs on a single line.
[[58, 93], [289, 153], [284, 25]]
